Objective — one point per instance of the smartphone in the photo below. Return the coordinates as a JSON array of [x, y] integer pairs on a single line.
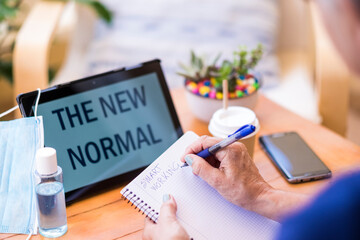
[[293, 157]]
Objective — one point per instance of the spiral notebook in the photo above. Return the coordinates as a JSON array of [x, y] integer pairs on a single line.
[[203, 212]]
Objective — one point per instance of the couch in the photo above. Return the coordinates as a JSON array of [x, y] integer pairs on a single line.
[[309, 64]]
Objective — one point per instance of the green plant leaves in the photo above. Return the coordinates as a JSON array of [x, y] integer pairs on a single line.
[[225, 69], [8, 9], [197, 70], [224, 72], [243, 61]]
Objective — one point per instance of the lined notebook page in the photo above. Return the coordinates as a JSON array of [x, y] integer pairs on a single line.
[[203, 212]]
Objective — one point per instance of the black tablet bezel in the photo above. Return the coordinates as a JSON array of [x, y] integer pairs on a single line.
[[26, 101]]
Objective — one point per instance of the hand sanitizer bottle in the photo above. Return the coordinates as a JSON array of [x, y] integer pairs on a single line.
[[50, 194]]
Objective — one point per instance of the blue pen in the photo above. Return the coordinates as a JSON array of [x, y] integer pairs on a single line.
[[240, 133]]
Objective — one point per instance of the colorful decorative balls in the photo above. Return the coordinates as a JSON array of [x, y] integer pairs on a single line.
[[192, 85], [239, 93], [245, 85], [204, 90], [212, 94], [207, 83]]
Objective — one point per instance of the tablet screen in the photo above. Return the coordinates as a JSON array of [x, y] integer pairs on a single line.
[[104, 132]]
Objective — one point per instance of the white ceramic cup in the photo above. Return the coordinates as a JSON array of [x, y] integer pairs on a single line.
[[226, 122]]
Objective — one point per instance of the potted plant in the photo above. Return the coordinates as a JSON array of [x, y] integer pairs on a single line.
[[203, 82], [12, 15]]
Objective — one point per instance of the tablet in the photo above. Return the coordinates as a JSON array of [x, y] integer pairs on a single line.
[[108, 126]]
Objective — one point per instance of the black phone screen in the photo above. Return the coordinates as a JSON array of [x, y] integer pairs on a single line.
[[292, 155]]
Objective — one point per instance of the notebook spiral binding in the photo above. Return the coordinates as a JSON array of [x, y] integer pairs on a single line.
[[140, 204]]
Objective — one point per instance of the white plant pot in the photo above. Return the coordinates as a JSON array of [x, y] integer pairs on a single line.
[[203, 108]]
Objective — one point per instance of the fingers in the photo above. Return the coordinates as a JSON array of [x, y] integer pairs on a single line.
[[231, 153], [167, 226], [200, 144], [213, 176], [168, 209], [149, 229]]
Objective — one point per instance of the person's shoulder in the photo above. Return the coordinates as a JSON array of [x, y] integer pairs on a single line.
[[345, 188], [333, 214], [352, 178]]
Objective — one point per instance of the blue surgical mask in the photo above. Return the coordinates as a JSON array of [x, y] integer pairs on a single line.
[[19, 141]]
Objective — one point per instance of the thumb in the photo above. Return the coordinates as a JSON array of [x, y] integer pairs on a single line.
[[149, 229], [168, 208], [213, 176]]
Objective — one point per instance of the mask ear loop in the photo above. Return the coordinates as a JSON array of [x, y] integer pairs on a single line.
[[30, 234], [37, 102], [8, 111], [16, 107]]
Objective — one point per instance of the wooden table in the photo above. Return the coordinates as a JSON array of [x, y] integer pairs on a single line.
[[106, 216]]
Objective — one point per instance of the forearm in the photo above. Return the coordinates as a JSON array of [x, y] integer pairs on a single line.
[[273, 203]]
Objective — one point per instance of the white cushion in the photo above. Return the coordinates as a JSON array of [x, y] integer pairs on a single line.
[[144, 30]]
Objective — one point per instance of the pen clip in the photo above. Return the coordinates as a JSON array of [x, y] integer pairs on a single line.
[[245, 126]]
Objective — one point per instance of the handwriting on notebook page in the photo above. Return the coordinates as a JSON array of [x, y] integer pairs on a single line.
[[202, 211], [158, 175]]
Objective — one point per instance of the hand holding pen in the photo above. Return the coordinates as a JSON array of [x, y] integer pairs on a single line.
[[238, 134], [235, 175]]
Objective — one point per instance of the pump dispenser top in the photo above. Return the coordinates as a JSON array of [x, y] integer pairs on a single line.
[[46, 161]]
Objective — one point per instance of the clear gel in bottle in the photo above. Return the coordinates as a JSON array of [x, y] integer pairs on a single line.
[[50, 197]]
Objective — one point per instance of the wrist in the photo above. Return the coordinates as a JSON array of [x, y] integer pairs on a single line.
[[274, 203], [266, 202], [264, 194], [260, 192]]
